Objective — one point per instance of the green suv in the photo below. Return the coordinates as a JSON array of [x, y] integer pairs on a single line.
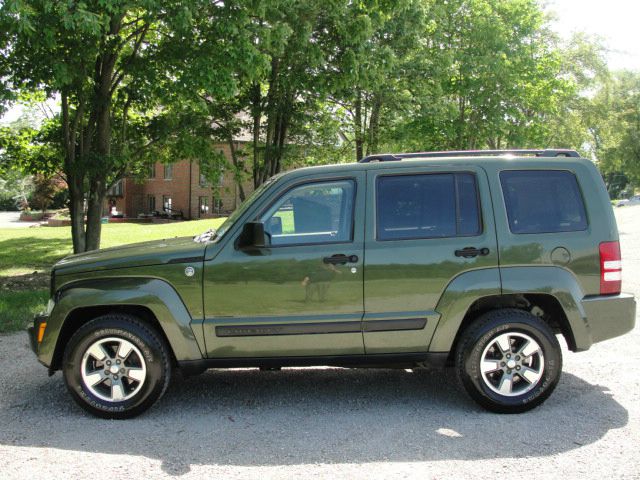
[[472, 259]]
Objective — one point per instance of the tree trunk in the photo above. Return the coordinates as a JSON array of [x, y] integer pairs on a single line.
[[357, 121], [237, 166], [374, 126], [256, 113], [98, 177], [94, 214], [76, 211]]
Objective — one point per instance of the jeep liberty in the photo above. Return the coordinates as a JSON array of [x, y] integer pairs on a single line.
[[476, 260]]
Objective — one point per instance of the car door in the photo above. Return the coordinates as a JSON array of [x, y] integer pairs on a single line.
[[301, 295], [425, 227]]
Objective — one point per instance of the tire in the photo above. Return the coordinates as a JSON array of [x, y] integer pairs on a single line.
[[116, 366], [509, 361]]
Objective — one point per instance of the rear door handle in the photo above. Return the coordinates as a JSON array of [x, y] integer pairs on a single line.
[[470, 252], [340, 259]]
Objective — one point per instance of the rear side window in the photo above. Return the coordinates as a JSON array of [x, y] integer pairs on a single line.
[[427, 206], [543, 201]]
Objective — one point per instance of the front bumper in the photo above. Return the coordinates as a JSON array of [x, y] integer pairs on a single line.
[[609, 316]]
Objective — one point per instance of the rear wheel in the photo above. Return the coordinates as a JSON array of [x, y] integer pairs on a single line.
[[509, 361], [116, 366]]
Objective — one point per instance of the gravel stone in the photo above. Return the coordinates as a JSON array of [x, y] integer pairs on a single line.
[[328, 423]]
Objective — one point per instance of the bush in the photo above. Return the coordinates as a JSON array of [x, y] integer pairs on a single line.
[[8, 204], [60, 199]]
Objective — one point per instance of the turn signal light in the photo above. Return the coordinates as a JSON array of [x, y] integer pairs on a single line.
[[41, 329]]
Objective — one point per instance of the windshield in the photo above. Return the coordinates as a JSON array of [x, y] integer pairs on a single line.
[[215, 234]]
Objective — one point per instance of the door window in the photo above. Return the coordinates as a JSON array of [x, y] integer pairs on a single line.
[[312, 213], [427, 206]]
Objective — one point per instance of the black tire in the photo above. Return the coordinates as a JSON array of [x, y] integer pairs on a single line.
[[148, 355], [481, 343]]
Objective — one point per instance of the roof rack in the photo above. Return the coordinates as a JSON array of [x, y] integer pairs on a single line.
[[392, 157]]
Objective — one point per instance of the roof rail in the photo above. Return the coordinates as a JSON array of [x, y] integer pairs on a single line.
[[391, 157]]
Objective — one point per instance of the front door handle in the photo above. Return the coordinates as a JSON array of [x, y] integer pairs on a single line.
[[340, 259], [470, 252]]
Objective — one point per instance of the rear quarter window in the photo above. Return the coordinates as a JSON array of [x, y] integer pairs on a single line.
[[543, 201]]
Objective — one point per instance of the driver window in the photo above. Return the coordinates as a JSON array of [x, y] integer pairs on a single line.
[[312, 213]]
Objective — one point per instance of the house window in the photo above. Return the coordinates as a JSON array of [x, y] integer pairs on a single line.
[[168, 172], [203, 206], [151, 202], [166, 203], [152, 171], [117, 190], [203, 180]]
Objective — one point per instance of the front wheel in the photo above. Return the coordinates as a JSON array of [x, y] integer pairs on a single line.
[[116, 366], [509, 361]]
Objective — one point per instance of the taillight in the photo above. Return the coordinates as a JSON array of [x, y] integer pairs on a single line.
[[610, 268]]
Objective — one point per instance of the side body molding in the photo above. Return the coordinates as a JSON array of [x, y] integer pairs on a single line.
[[156, 295]]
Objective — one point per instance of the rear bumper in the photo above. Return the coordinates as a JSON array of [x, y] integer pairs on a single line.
[[609, 316]]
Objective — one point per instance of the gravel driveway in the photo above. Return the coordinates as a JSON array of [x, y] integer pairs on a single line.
[[333, 423]]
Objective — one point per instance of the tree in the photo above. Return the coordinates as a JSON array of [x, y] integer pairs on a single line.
[[370, 71], [616, 131], [118, 67], [489, 74]]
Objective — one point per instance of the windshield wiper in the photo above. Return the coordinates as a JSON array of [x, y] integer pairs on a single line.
[[206, 236]]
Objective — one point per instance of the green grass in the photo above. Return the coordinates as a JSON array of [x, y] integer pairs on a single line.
[[18, 308], [25, 250]]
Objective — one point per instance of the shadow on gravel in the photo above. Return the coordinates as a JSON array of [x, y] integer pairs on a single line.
[[300, 416]]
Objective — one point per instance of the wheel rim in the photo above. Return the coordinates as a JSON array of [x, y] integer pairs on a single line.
[[113, 369], [512, 364]]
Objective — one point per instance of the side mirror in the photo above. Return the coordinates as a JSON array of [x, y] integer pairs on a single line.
[[253, 235]]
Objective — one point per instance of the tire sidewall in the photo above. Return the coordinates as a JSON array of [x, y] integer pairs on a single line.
[[153, 356], [472, 358]]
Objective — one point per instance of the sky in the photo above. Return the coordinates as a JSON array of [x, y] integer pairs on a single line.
[[616, 21]]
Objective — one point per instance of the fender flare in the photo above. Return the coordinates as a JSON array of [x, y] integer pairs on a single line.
[[153, 294], [466, 289]]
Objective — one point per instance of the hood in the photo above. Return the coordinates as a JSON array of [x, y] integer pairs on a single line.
[[174, 250]]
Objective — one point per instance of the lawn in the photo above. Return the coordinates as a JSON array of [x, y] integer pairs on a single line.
[[18, 308], [24, 251]]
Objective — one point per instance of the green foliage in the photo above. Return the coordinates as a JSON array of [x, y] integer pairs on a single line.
[[308, 82], [120, 69], [616, 129]]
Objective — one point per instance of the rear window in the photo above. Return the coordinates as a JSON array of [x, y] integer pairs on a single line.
[[427, 206], [543, 201]]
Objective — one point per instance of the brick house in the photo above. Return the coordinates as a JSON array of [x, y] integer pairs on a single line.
[[178, 188]]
